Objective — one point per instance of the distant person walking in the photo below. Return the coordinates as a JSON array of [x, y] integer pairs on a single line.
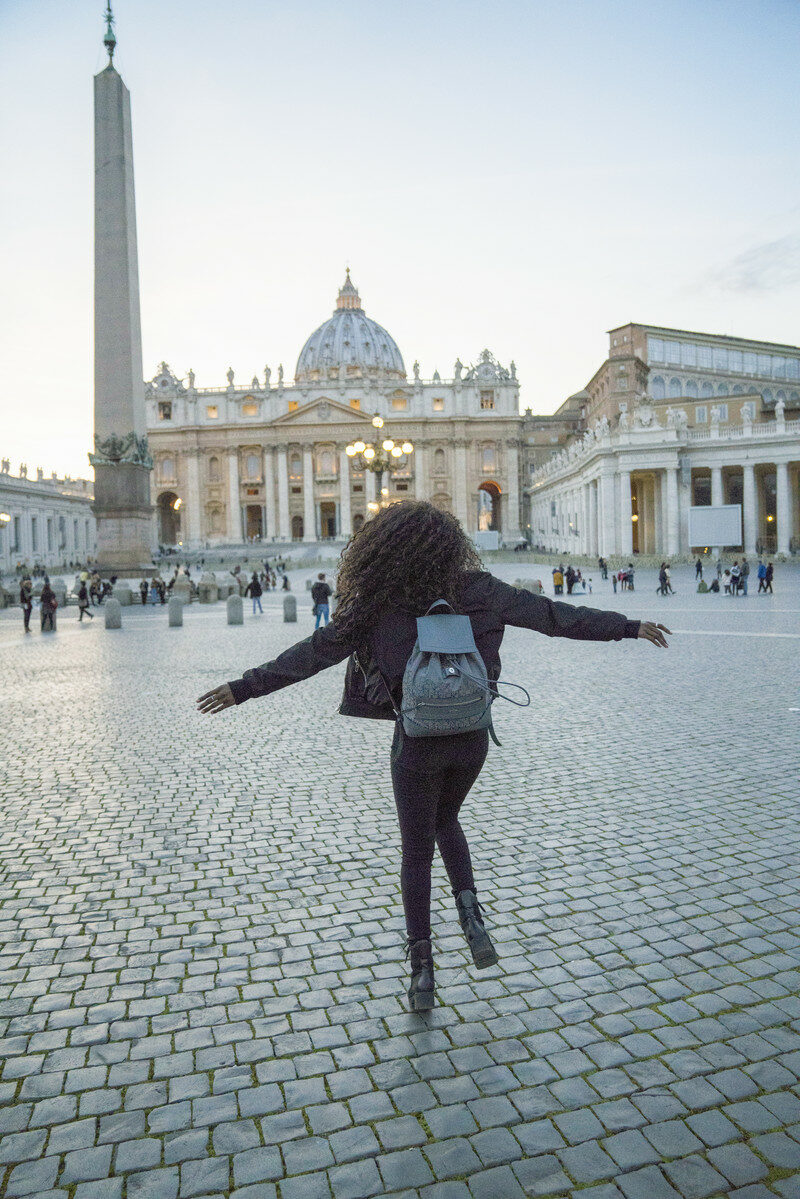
[[761, 574], [254, 590], [26, 601], [398, 564], [285, 586], [735, 575], [669, 579], [744, 575], [143, 588], [698, 569], [768, 579], [614, 581], [320, 596], [661, 589], [84, 607], [47, 607]]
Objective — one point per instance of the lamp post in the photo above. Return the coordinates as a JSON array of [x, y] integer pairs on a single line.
[[384, 457]]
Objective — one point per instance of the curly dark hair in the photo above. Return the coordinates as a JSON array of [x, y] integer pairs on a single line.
[[408, 555]]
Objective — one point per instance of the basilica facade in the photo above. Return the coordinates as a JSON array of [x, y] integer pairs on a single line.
[[267, 461]]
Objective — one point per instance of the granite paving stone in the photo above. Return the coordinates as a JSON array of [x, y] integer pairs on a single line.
[[203, 983]]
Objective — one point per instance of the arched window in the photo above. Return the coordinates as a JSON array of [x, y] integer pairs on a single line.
[[767, 395], [252, 466], [658, 388], [780, 395], [167, 468], [438, 462], [358, 521], [723, 389], [213, 470], [488, 458], [738, 389], [326, 463], [707, 389], [295, 466], [794, 398], [691, 388], [674, 388]]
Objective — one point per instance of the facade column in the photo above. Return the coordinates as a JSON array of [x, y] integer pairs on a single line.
[[284, 527], [460, 484], [270, 523], [512, 531], [309, 514], [585, 538], [420, 468], [234, 503], [594, 548], [750, 508], [193, 522], [717, 497], [673, 512], [345, 519], [625, 513], [369, 486], [783, 507], [608, 545]]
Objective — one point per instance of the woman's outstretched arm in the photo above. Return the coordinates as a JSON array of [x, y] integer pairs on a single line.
[[324, 648]]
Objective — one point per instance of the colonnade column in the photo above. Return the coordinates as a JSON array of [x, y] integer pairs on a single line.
[[717, 497], [345, 518], [586, 534], [234, 505], [270, 530], [192, 498], [607, 522], [673, 513], [783, 507], [750, 509], [309, 516], [460, 484], [512, 531], [418, 460], [594, 541], [369, 486], [625, 513], [284, 528]]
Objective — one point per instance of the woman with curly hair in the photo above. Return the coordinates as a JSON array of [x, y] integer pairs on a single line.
[[399, 563]]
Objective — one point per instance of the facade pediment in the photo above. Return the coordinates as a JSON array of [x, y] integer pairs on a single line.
[[322, 411]]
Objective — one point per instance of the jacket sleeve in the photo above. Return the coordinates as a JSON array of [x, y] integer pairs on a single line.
[[529, 611], [322, 649]]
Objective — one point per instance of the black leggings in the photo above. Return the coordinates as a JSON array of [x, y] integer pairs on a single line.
[[431, 777]]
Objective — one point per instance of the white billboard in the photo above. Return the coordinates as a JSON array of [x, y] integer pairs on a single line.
[[715, 524]]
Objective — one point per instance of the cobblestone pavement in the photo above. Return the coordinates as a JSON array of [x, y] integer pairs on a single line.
[[203, 981]]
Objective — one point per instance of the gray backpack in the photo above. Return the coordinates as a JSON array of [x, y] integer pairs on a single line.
[[445, 685]]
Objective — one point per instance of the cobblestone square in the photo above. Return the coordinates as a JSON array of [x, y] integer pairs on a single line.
[[202, 990]]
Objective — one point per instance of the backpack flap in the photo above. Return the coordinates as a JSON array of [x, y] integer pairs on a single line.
[[445, 635]]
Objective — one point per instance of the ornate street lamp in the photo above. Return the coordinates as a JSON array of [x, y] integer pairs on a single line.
[[385, 457]]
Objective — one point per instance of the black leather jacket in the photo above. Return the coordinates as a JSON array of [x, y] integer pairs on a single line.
[[490, 603]]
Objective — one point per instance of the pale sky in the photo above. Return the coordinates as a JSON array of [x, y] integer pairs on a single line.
[[514, 174]]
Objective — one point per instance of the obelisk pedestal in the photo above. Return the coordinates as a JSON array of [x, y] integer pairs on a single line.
[[121, 460]]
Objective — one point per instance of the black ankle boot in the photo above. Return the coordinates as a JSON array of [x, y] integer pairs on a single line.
[[469, 913], [420, 993]]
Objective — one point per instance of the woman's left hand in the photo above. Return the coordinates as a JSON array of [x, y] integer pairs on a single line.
[[217, 700], [654, 633]]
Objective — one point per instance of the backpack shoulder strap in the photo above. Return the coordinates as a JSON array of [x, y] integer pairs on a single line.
[[440, 603]]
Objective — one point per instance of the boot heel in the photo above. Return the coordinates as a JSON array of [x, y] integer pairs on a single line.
[[483, 951], [421, 991], [422, 1001]]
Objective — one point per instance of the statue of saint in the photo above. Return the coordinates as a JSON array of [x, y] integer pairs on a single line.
[[255, 384], [229, 376], [416, 372], [23, 470], [280, 375], [191, 379], [623, 414], [513, 369], [267, 377], [457, 369]]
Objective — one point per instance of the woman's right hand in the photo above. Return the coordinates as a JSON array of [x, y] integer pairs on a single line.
[[655, 633], [216, 701]]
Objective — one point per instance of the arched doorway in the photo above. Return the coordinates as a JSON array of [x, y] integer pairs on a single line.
[[169, 518], [489, 507], [358, 521], [327, 520], [254, 522], [297, 528]]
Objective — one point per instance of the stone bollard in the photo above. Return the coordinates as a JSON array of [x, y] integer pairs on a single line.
[[175, 611], [182, 589], [289, 610], [207, 589], [123, 595], [235, 609], [113, 614]]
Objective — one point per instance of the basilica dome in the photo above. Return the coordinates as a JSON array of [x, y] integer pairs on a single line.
[[352, 341]]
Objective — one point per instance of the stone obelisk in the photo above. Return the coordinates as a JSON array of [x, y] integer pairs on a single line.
[[121, 459]]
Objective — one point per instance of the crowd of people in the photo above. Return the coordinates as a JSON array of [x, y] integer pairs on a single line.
[[572, 577], [734, 580]]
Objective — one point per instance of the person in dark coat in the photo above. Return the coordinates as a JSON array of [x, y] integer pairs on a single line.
[[698, 569], [143, 589], [47, 607], [26, 601], [254, 590], [320, 595], [768, 579], [84, 607], [661, 589], [380, 594]]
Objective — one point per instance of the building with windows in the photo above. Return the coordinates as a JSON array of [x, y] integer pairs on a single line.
[[49, 521], [266, 460], [670, 420]]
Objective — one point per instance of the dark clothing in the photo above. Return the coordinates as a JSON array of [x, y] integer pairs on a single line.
[[320, 592], [431, 777], [253, 588], [490, 603], [26, 600]]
